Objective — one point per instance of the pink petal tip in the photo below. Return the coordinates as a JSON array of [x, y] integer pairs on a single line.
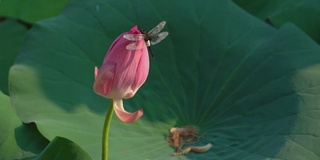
[[125, 116]]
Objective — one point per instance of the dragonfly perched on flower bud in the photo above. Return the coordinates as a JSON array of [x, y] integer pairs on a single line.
[[151, 38]]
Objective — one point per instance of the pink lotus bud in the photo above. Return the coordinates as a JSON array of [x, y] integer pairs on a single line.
[[122, 73]]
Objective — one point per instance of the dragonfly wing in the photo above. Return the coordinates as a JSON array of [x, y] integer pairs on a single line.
[[158, 38], [133, 37], [157, 29], [134, 46]]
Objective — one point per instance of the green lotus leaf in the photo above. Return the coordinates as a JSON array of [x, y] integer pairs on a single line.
[[31, 10], [18, 140], [12, 34], [304, 14], [62, 148], [251, 90]]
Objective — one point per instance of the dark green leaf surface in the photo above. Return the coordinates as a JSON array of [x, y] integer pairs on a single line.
[[305, 14], [61, 148], [252, 90], [17, 140], [12, 34], [31, 10]]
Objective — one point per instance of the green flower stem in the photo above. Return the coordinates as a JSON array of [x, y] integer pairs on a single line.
[[106, 128]]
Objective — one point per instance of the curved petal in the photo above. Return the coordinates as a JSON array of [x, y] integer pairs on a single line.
[[104, 79], [123, 114]]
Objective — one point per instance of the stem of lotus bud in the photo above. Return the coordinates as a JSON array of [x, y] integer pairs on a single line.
[[105, 135]]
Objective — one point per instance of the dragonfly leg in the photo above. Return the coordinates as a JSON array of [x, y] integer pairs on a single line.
[[151, 52]]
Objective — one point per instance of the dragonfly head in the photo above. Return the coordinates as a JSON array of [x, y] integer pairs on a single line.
[[142, 31]]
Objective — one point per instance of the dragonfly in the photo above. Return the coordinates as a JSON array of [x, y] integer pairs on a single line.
[[151, 38]]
